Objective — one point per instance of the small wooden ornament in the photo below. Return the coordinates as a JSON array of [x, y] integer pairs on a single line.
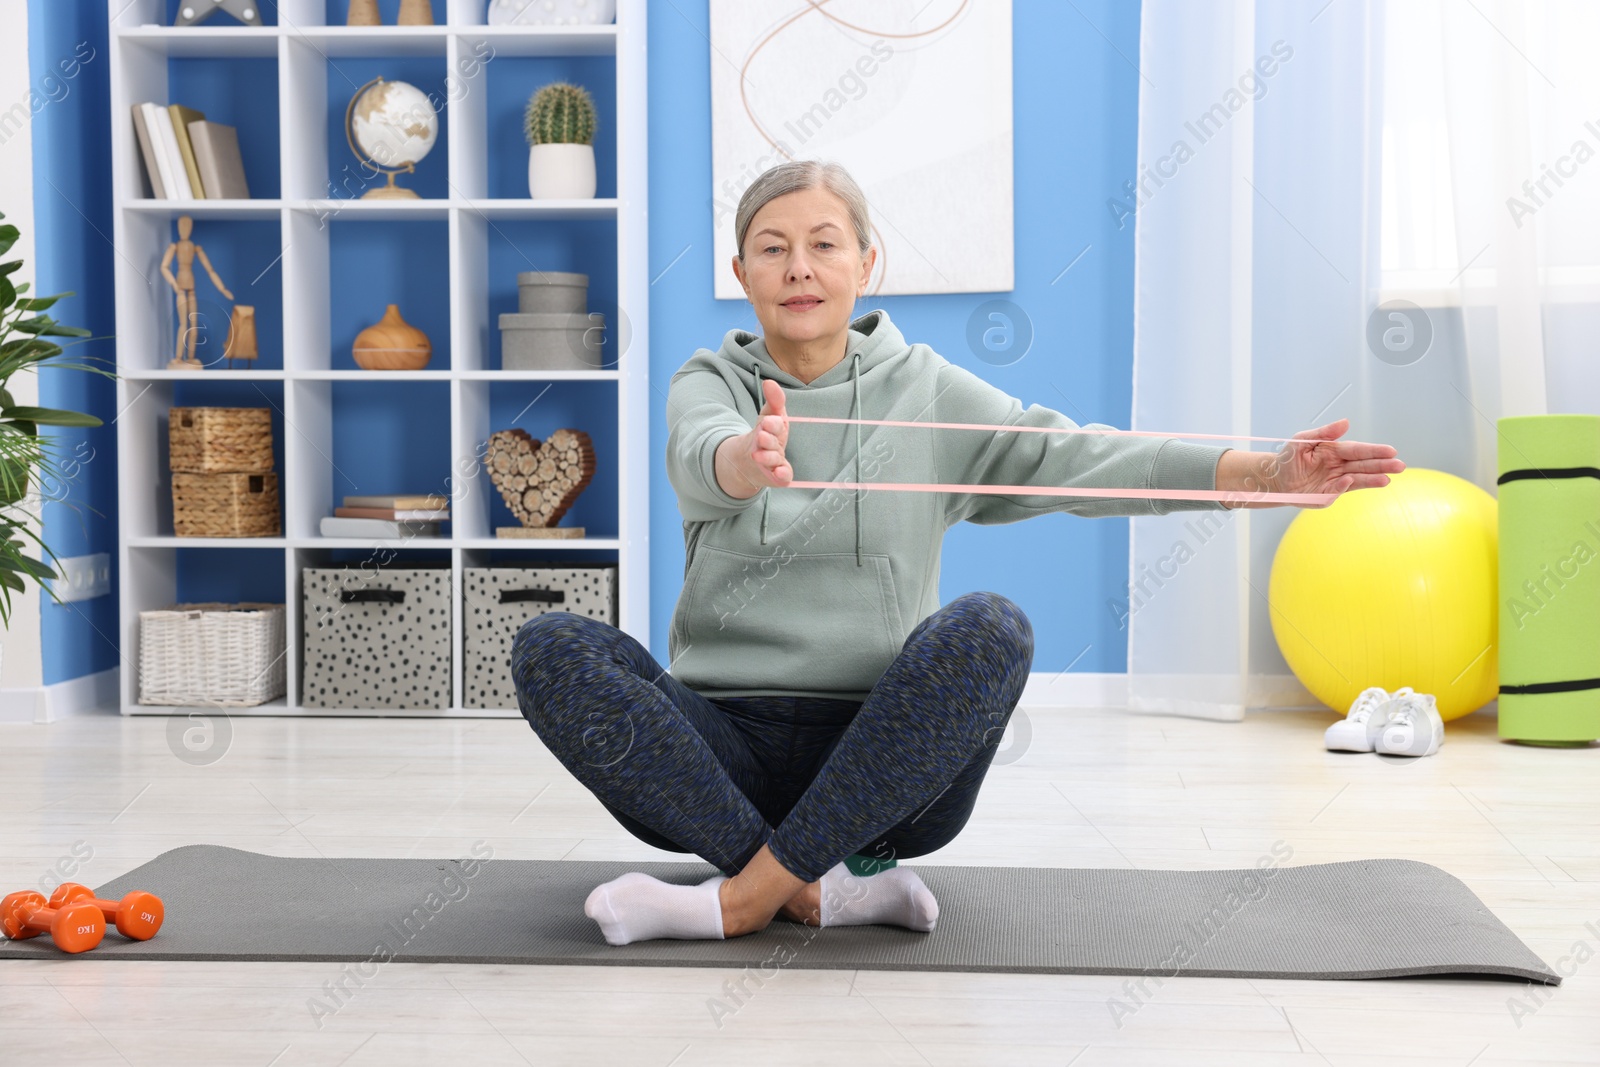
[[363, 13], [241, 342], [392, 343], [531, 533], [416, 13], [539, 482]]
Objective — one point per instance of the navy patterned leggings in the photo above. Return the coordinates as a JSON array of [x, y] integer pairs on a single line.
[[816, 780]]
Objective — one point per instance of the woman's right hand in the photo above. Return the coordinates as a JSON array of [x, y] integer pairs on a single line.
[[751, 461]]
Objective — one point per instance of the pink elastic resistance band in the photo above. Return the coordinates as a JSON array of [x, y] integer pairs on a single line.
[[1312, 499]]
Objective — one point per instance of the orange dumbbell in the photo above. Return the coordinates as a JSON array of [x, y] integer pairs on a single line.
[[137, 915], [76, 927]]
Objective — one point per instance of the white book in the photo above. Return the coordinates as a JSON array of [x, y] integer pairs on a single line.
[[159, 132], [173, 156], [334, 526]]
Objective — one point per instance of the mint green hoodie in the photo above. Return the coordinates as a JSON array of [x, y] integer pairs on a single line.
[[814, 591]]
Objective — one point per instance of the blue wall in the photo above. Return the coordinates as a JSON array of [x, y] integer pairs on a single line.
[[1076, 114], [1075, 110], [72, 243]]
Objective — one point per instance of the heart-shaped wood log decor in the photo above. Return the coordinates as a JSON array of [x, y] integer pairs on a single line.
[[539, 482]]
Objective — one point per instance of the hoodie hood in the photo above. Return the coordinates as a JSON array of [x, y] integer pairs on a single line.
[[872, 340]]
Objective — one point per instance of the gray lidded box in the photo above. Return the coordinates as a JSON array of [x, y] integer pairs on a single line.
[[552, 341], [376, 638], [545, 292], [498, 600]]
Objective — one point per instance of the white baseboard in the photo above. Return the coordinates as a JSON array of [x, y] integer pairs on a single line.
[[94, 693], [87, 695], [1081, 689], [1075, 689]]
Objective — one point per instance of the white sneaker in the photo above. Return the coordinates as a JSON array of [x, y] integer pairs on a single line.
[[1408, 725], [1352, 733]]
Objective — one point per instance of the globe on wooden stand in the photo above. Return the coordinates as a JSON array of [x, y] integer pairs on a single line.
[[391, 127]]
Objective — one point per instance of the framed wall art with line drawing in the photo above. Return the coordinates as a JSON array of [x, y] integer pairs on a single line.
[[913, 97]]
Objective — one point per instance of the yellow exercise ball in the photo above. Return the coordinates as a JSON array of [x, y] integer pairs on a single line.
[[1393, 586]]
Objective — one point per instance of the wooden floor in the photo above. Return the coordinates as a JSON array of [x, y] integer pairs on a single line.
[[1094, 788]]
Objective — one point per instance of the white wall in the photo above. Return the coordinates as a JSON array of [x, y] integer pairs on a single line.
[[21, 665]]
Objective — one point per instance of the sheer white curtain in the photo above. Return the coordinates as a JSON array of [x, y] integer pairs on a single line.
[[1492, 198], [1302, 167]]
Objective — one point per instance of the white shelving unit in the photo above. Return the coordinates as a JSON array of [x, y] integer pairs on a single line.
[[304, 47]]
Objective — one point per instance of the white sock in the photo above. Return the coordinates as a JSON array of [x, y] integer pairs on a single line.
[[637, 907], [895, 897]]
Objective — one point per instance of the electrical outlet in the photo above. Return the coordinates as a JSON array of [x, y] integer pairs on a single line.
[[83, 577]]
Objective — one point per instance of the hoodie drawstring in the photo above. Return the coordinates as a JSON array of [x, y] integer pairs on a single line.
[[855, 408], [855, 381]]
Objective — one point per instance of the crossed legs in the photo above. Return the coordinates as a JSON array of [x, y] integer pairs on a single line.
[[899, 781]]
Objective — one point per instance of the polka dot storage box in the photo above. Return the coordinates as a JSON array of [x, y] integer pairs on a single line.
[[376, 637], [498, 600]]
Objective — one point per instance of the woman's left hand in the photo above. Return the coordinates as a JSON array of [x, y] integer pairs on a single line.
[[1315, 461]]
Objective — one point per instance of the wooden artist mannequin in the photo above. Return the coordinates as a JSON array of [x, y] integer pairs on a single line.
[[183, 285]]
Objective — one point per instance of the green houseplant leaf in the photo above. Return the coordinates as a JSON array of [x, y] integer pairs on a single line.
[[52, 417], [45, 326], [40, 303]]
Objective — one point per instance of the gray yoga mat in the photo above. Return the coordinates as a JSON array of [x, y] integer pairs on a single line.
[[1362, 919]]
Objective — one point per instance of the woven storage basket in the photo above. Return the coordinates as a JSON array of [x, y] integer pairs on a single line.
[[225, 505], [217, 440], [212, 655]]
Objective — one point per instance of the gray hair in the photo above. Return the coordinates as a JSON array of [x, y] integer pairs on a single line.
[[796, 176]]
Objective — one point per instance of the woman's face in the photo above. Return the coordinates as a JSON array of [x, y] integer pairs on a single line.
[[802, 270]]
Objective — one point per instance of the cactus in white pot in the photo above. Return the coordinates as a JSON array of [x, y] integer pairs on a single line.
[[559, 125]]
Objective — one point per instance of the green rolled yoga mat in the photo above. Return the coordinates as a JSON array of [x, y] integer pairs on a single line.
[[1550, 578]]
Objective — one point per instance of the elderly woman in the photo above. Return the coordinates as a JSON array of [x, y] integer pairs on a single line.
[[825, 716]]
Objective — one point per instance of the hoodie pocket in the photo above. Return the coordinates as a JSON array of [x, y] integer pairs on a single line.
[[815, 622]]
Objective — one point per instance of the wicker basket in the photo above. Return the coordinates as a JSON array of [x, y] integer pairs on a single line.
[[212, 655], [225, 505], [215, 440]]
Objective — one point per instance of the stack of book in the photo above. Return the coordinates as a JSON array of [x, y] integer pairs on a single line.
[[404, 515], [186, 157]]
